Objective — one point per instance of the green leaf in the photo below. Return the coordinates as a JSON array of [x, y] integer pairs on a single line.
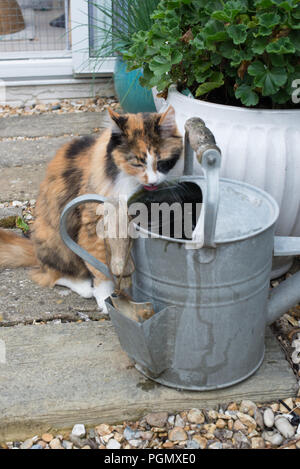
[[270, 80], [283, 45], [216, 80], [296, 13], [20, 223], [238, 33], [160, 65], [295, 38], [176, 57], [221, 15], [239, 55], [269, 20], [263, 3], [277, 60], [214, 31], [226, 49], [246, 95], [281, 97], [259, 44]]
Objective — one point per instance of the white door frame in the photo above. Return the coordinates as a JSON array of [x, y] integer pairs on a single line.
[[83, 64]]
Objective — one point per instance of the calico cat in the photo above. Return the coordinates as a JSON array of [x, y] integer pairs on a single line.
[[138, 150]]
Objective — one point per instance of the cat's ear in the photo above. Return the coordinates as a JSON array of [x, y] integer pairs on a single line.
[[167, 122], [118, 121]]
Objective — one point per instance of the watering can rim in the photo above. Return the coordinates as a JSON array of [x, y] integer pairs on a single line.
[[256, 189]]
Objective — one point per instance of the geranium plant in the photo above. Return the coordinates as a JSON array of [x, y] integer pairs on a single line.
[[239, 52]]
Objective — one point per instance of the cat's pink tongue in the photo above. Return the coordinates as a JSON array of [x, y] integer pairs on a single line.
[[150, 188]]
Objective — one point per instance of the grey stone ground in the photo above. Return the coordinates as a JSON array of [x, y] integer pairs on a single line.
[[56, 375], [28, 143]]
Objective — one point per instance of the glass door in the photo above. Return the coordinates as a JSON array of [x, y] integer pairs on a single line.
[[88, 37], [34, 28]]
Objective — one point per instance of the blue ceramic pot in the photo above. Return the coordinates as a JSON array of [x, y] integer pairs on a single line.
[[132, 96]]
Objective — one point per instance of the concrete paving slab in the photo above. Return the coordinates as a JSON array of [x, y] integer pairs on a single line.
[[23, 162], [21, 183], [56, 375], [54, 125], [23, 301], [29, 152]]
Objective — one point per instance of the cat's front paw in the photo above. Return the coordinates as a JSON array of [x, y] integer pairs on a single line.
[[101, 292]]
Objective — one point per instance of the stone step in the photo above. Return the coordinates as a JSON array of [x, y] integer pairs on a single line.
[[55, 375], [21, 183], [23, 161], [53, 125], [17, 153], [23, 301]]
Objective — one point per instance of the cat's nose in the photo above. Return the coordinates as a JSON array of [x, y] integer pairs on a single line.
[[152, 179]]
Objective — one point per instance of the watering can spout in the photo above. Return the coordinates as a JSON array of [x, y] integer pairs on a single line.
[[287, 294], [284, 297]]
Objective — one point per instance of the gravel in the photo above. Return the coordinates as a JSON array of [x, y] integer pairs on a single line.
[[227, 427], [97, 104]]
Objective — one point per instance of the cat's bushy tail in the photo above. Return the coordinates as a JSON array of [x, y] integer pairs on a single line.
[[16, 251]]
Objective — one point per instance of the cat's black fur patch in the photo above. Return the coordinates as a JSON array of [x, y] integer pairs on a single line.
[[79, 145], [48, 257], [111, 168], [73, 178]]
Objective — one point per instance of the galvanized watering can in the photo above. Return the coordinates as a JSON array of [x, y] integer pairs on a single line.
[[210, 294]]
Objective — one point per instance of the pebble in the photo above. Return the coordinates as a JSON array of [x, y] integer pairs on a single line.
[[202, 442], [177, 434], [27, 444], [273, 437], [257, 443], [171, 420], [213, 414], [157, 419], [146, 435], [232, 406], [37, 446], [103, 429], [239, 426], [78, 442], [247, 420], [248, 407], [220, 423], [215, 445], [42, 443], [47, 437], [113, 444], [179, 422], [79, 430], [284, 427], [241, 440], [192, 444], [259, 418], [55, 444], [195, 416], [135, 443], [269, 418], [289, 403], [129, 434], [67, 444]]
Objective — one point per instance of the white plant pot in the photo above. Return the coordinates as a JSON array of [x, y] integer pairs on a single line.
[[260, 147]]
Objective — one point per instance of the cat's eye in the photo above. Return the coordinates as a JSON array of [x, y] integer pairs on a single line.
[[137, 165], [164, 166]]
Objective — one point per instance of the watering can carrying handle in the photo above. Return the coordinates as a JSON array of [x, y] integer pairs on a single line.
[[69, 241], [199, 139]]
